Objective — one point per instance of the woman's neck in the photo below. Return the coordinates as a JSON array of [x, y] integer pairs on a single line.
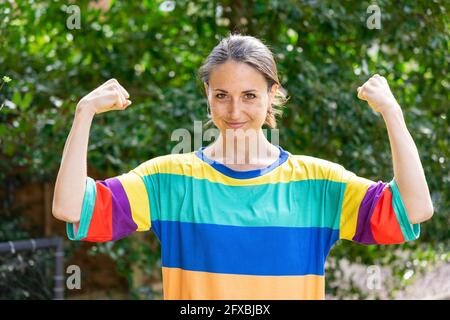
[[243, 152]]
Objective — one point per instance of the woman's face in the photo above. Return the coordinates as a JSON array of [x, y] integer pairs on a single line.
[[238, 97]]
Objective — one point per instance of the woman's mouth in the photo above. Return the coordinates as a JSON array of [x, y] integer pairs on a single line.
[[235, 125]]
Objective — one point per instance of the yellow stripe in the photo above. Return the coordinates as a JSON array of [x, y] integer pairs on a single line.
[[137, 196], [182, 284], [354, 193], [297, 167]]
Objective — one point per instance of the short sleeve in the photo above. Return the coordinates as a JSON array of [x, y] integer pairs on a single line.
[[114, 208], [373, 212]]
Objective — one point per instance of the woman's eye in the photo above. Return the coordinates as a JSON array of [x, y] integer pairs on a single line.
[[220, 95], [250, 96]]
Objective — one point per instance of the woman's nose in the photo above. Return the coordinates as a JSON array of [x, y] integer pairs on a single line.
[[235, 108]]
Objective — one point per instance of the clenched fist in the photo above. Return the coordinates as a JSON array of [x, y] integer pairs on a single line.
[[109, 96], [377, 93]]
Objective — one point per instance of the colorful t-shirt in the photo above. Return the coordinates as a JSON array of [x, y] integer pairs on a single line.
[[258, 234]]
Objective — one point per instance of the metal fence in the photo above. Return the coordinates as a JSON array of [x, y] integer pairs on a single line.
[[13, 247]]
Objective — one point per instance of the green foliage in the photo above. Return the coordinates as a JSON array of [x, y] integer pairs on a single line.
[[324, 51]]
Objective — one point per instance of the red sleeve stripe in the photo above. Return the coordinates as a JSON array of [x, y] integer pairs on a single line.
[[384, 224], [100, 228]]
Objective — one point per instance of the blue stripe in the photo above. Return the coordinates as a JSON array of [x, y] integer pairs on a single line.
[[244, 250], [243, 174]]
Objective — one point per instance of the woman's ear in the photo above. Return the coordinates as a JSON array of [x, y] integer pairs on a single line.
[[274, 89], [206, 88]]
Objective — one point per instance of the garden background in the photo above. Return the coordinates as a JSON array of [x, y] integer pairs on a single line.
[[324, 51]]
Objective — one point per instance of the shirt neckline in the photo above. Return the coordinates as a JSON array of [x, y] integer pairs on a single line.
[[248, 174]]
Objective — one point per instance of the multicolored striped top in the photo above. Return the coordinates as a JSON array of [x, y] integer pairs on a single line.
[[258, 234]]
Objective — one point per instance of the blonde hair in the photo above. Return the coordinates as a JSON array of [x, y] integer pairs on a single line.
[[250, 50]]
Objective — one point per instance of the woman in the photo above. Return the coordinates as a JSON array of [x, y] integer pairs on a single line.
[[258, 228]]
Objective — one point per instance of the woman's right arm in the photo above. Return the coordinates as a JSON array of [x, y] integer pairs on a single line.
[[71, 179]]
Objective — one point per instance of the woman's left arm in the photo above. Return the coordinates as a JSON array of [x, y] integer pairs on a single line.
[[408, 170]]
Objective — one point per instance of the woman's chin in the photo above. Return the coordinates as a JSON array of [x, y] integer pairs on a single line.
[[241, 133]]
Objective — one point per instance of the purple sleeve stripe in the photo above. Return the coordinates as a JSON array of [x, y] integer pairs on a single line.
[[363, 232], [122, 220]]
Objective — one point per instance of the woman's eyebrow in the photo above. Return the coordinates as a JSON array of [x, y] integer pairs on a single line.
[[250, 90]]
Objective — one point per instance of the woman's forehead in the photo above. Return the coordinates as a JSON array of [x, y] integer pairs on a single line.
[[234, 76]]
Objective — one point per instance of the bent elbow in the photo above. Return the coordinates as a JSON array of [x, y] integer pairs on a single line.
[[63, 215], [429, 213], [423, 215]]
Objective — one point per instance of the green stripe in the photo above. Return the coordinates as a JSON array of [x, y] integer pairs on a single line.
[[183, 198], [86, 212], [410, 231]]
